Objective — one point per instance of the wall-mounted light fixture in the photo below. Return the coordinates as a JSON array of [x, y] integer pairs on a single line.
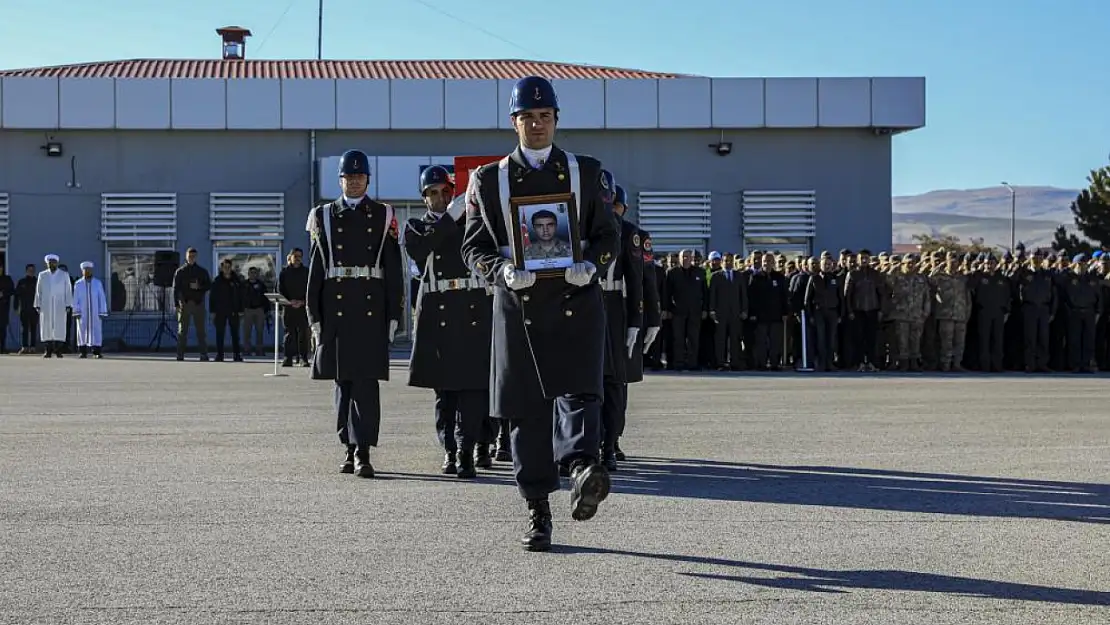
[[53, 148], [723, 148]]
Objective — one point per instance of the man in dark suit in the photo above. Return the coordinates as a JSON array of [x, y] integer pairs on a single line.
[[548, 347], [728, 308]]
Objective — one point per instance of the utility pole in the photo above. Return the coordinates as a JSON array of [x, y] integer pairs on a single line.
[[1013, 216], [320, 31]]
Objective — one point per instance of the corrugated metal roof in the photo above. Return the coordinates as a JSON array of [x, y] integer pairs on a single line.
[[509, 69]]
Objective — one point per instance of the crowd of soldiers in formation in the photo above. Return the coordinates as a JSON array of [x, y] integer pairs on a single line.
[[941, 311]]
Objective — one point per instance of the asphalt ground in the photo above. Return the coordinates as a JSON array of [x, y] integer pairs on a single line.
[[141, 490]]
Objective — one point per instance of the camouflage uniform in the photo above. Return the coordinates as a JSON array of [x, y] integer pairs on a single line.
[[910, 293], [558, 249], [951, 308]]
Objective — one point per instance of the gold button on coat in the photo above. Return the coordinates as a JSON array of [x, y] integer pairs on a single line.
[[338, 296], [527, 322], [569, 313], [340, 313]]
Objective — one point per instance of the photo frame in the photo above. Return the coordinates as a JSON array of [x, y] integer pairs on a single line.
[[544, 233]]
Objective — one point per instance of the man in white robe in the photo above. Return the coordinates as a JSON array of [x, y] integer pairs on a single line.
[[90, 307], [53, 301]]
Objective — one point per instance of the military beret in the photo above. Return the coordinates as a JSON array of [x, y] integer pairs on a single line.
[[909, 258], [1078, 258], [982, 256], [825, 254], [1038, 254], [1052, 257], [865, 252]]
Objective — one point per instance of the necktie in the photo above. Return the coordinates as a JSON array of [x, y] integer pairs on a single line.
[[729, 274]]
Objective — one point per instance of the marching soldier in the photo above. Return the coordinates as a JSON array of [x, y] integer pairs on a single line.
[[450, 351], [548, 347], [355, 302], [623, 294]]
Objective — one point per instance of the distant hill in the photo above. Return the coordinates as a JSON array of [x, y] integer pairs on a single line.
[[974, 213]]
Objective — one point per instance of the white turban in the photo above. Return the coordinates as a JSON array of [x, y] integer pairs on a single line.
[[86, 265], [52, 257]]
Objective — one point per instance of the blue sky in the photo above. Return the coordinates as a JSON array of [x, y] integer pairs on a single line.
[[1016, 91]]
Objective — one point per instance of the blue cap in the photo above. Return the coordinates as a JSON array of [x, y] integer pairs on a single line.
[[1097, 254], [1078, 258], [714, 256]]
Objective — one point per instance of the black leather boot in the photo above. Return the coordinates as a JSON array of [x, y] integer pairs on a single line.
[[363, 468], [59, 348], [348, 465], [538, 536], [504, 444], [590, 486], [466, 463], [609, 459], [483, 460], [450, 466], [48, 347], [620, 453], [97, 354], [84, 352]]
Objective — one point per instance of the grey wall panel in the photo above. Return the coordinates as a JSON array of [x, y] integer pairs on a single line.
[[504, 92], [581, 103], [30, 103], [844, 102], [416, 104], [791, 102], [308, 104], [632, 104], [362, 104], [143, 103], [254, 104], [898, 102], [470, 104], [738, 103], [686, 103], [198, 103], [87, 103]]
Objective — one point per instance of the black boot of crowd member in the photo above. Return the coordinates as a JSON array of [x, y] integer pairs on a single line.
[[97, 354], [348, 465], [617, 449], [538, 536], [504, 446], [59, 348], [466, 463], [363, 468], [84, 352], [450, 463], [48, 349], [483, 460]]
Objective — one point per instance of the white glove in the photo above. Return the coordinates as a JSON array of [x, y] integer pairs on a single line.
[[630, 340], [579, 274], [457, 207], [518, 279], [316, 333], [649, 338], [392, 329]]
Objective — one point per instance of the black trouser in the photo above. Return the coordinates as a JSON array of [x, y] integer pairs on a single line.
[[768, 344], [358, 412], [561, 430], [686, 330], [1081, 338], [865, 335], [460, 416], [849, 348], [825, 341], [296, 333], [612, 413], [29, 322], [666, 342], [991, 332], [221, 321], [1035, 336], [5, 319], [729, 332]]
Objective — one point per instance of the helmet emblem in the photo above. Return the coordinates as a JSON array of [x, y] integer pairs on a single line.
[[537, 95]]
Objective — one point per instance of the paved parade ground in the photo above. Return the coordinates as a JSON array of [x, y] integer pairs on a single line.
[[141, 490]]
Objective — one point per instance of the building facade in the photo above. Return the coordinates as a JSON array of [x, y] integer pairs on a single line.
[[113, 162]]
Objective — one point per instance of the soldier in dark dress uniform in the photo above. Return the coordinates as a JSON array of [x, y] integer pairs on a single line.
[[548, 347], [355, 302], [450, 352], [623, 294]]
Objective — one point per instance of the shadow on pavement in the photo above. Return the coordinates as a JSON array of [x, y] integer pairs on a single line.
[[840, 582], [869, 489]]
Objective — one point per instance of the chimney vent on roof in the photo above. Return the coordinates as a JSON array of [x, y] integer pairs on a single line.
[[234, 42]]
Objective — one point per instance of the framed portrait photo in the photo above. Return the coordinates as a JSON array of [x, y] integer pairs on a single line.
[[545, 233]]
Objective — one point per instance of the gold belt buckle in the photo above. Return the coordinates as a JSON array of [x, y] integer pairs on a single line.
[[453, 284]]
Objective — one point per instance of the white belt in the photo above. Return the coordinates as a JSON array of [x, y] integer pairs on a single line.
[[459, 284], [355, 272], [612, 285]]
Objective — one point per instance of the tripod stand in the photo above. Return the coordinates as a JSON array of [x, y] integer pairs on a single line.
[[163, 327]]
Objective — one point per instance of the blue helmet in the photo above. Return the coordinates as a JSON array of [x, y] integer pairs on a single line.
[[608, 186], [431, 176], [532, 92], [620, 196], [354, 162]]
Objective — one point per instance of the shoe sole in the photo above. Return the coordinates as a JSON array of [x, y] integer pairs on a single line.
[[537, 548], [594, 490], [366, 472], [347, 469]]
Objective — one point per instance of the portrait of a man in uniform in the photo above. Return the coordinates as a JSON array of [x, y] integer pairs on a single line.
[[547, 240]]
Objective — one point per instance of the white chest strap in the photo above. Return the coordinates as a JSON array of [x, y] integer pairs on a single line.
[[326, 211], [503, 194]]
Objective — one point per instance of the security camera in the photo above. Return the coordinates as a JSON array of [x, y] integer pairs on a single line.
[[723, 148], [53, 148]]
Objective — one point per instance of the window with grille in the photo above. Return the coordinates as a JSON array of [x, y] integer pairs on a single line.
[[676, 219]]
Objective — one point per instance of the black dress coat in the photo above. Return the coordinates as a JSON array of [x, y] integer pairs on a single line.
[[623, 293], [549, 339]]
